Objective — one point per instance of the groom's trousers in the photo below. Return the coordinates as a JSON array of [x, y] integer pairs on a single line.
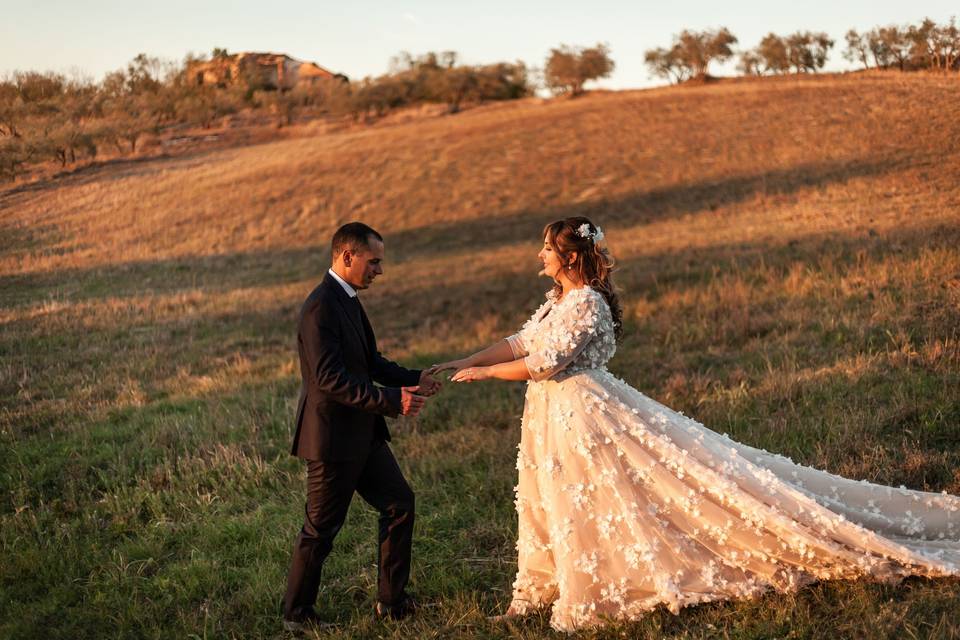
[[330, 487]]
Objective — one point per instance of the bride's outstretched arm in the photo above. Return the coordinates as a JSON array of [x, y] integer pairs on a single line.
[[558, 348], [498, 352], [513, 370]]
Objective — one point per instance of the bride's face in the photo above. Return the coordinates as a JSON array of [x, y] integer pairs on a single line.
[[552, 266]]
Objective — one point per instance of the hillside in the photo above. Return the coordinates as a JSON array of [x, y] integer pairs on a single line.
[[788, 259]]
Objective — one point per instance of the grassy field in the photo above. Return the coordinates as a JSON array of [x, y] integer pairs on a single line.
[[789, 266]]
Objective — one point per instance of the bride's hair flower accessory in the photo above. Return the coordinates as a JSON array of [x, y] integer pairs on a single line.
[[584, 232]]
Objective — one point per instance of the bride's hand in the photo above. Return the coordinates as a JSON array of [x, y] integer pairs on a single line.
[[471, 374], [452, 365]]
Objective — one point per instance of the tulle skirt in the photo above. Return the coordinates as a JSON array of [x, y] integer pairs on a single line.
[[625, 504]]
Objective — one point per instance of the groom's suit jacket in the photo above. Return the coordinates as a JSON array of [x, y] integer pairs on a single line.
[[340, 412]]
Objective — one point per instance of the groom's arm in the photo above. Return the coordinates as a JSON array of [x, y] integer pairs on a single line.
[[391, 374], [322, 348]]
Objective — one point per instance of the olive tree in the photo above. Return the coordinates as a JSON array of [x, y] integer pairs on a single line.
[[568, 68]]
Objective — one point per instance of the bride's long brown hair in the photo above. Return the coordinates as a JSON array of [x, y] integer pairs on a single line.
[[593, 264]]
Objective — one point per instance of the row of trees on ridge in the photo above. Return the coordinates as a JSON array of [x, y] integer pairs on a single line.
[[923, 46]]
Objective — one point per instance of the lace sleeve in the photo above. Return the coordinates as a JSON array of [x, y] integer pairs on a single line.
[[566, 338], [517, 346]]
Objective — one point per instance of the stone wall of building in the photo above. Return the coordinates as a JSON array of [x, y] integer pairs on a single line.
[[268, 70]]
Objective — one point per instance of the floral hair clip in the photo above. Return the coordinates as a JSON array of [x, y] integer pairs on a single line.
[[584, 232]]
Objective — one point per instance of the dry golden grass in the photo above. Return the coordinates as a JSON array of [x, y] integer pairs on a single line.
[[788, 257], [726, 170]]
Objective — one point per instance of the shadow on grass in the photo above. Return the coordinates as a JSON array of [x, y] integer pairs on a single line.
[[403, 315], [57, 360], [270, 267], [640, 208], [22, 238]]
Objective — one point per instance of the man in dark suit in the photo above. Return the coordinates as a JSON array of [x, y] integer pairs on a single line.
[[342, 434]]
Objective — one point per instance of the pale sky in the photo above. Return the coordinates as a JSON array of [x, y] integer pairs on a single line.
[[359, 38]]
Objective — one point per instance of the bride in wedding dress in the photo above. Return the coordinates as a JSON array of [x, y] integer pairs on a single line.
[[624, 504]]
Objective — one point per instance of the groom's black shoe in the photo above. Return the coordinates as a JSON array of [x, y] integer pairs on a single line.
[[305, 620], [403, 609]]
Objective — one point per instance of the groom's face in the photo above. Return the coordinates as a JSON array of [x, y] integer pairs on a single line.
[[364, 264]]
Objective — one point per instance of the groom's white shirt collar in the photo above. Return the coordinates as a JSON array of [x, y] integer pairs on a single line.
[[343, 283]]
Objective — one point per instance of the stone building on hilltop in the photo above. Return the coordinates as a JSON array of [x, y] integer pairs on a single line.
[[265, 70]]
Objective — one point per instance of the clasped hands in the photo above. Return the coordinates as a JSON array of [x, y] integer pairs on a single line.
[[413, 399], [463, 371]]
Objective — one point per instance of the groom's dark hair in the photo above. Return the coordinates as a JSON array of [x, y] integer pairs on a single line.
[[352, 236]]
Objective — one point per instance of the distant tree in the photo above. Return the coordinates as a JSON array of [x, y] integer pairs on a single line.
[[878, 47], [422, 81], [948, 41], [802, 51], [921, 51], [858, 48], [34, 87], [401, 62], [433, 77], [448, 59], [14, 150], [697, 49], [145, 74], [15, 153], [562, 71], [595, 63], [66, 137], [11, 109], [380, 95], [8, 91], [503, 81], [326, 96], [127, 114], [500, 81], [773, 53], [690, 54], [219, 53], [890, 45], [935, 46], [203, 105], [283, 106], [666, 64], [568, 68], [140, 99], [750, 63], [807, 51], [128, 119], [30, 109], [70, 126], [457, 85]]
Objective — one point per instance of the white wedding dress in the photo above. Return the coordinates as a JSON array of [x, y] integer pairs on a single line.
[[625, 505]]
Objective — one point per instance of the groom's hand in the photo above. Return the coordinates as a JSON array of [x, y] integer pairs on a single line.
[[428, 384], [410, 402]]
